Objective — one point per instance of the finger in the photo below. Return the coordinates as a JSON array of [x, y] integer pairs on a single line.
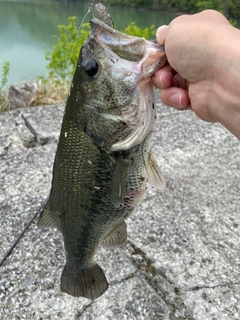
[[175, 97], [180, 82], [163, 78], [168, 68], [161, 34]]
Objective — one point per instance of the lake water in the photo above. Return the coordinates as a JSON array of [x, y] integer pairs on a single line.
[[27, 29]]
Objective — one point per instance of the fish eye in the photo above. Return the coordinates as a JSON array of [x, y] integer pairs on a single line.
[[91, 68]]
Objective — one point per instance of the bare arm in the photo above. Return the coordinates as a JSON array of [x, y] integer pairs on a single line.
[[203, 74]]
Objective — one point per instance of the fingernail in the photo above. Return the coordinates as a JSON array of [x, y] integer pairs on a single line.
[[161, 82], [160, 34], [176, 100], [159, 29]]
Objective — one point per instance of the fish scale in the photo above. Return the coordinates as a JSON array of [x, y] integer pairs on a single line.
[[90, 196], [104, 159]]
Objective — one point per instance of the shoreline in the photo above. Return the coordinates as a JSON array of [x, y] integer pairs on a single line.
[[178, 13]]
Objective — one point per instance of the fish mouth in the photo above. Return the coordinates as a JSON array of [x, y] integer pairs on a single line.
[[143, 58], [149, 54]]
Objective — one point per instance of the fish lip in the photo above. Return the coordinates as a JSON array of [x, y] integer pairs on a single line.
[[119, 42], [148, 56], [116, 41], [102, 13]]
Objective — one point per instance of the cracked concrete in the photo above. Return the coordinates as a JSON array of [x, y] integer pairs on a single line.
[[182, 258]]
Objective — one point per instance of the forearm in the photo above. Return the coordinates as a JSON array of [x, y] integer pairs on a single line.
[[225, 98], [203, 52]]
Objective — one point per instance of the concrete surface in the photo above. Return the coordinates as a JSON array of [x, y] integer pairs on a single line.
[[182, 258]]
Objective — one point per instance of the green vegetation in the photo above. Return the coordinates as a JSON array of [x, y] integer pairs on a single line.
[[4, 80], [134, 30], [231, 8], [62, 62], [63, 57], [5, 73]]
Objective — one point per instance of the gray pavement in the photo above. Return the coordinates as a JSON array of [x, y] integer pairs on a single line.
[[182, 258]]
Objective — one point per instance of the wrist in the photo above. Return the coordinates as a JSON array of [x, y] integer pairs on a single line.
[[224, 104]]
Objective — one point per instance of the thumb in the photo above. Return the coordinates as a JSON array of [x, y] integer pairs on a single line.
[[161, 34]]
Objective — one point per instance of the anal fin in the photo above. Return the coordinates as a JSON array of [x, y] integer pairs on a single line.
[[89, 283], [117, 187], [117, 236], [155, 176], [45, 219]]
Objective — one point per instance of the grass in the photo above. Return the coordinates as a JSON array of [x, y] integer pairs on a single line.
[[51, 92], [47, 92], [4, 106]]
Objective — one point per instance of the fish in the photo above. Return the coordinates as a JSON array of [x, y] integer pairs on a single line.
[[104, 158]]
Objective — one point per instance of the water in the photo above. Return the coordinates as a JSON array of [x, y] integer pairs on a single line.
[[27, 29]]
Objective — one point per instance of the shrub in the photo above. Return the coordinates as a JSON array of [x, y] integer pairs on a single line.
[[63, 57], [134, 30], [5, 73], [3, 93]]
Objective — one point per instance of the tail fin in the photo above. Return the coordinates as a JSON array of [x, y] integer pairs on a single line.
[[89, 283]]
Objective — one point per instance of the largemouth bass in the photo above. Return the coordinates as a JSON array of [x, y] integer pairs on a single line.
[[104, 159]]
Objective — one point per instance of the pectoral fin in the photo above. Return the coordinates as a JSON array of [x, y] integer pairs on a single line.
[[45, 219], [155, 176], [117, 187], [117, 237]]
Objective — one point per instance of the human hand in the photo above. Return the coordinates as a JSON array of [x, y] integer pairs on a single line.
[[203, 54]]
